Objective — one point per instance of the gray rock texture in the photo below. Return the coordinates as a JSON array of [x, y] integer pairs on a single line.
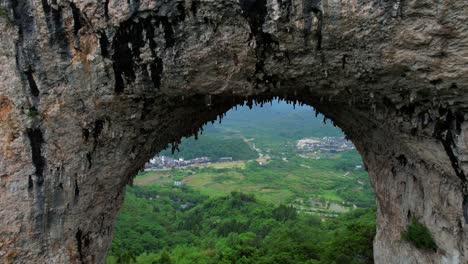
[[91, 89]]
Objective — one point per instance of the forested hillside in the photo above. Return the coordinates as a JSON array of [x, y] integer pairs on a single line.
[[178, 225], [270, 126], [213, 147]]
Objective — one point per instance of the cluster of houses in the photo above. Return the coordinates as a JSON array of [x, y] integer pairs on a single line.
[[163, 162], [325, 144]]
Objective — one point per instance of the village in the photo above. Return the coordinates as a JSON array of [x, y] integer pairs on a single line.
[[310, 145], [325, 145], [164, 162]]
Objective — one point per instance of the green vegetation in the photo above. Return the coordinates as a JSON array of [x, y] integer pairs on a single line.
[[279, 181], [179, 225], [274, 204], [268, 127], [213, 148], [4, 13], [419, 235], [283, 176], [32, 112]]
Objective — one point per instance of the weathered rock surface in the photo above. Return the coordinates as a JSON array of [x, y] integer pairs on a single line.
[[89, 90]]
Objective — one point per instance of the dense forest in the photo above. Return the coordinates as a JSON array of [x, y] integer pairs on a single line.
[[178, 225]]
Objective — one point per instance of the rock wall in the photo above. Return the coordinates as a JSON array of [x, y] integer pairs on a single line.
[[89, 90]]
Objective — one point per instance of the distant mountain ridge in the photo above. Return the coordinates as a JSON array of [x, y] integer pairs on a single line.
[[268, 125]]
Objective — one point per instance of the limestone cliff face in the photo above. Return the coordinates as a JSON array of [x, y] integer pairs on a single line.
[[90, 89]]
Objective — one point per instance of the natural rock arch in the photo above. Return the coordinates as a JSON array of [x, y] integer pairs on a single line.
[[91, 89]]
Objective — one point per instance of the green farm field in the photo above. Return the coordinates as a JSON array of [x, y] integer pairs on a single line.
[[333, 177]]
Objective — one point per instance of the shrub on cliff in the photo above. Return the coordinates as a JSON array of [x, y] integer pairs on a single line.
[[4, 13], [419, 235]]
